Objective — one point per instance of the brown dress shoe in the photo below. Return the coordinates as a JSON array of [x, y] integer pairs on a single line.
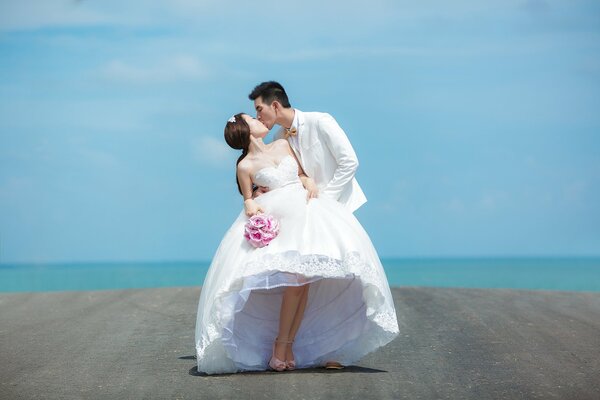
[[333, 365]]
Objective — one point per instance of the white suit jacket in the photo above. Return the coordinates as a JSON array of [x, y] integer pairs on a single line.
[[327, 156]]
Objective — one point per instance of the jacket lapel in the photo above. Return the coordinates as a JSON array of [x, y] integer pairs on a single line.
[[301, 137]]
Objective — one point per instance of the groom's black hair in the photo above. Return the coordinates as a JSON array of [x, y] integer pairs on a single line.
[[270, 91]]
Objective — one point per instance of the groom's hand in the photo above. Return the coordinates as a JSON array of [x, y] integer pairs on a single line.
[[312, 190]]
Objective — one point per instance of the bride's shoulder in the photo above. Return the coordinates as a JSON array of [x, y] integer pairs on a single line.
[[245, 165]]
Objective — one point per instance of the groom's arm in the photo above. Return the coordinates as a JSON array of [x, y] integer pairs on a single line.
[[347, 163]]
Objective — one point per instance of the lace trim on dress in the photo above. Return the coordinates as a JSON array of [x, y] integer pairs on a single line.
[[311, 267], [315, 265]]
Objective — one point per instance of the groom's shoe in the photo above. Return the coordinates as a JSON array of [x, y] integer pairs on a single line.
[[333, 365]]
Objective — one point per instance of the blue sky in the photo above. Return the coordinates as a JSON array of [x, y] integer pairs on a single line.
[[476, 123]]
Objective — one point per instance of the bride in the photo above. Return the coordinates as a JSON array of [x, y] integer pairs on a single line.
[[317, 293]]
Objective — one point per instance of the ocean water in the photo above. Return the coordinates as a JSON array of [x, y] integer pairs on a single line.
[[577, 274]]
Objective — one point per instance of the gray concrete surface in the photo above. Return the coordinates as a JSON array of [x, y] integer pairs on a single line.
[[454, 344]]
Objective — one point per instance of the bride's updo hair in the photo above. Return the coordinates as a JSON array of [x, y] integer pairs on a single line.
[[237, 133], [237, 136]]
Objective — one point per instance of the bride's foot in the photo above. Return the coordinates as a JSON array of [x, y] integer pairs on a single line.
[[289, 357], [276, 363]]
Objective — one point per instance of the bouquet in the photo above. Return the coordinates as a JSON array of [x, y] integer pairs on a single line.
[[260, 229]]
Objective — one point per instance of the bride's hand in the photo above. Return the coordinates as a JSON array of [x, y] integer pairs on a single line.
[[251, 207]]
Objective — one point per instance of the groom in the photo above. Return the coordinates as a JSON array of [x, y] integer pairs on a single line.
[[321, 146]]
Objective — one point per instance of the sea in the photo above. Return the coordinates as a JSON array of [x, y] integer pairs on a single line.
[[567, 273]]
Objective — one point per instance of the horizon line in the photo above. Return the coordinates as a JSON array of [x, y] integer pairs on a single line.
[[406, 257]]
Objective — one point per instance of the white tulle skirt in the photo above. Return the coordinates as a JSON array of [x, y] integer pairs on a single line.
[[349, 312]]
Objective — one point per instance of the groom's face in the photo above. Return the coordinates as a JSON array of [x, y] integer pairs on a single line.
[[265, 113]]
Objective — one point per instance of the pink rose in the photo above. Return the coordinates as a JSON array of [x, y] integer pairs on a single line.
[[259, 230], [258, 221]]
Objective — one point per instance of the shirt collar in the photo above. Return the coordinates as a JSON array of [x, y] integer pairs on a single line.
[[295, 120]]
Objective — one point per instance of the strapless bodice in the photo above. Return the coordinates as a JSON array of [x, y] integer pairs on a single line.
[[286, 173]]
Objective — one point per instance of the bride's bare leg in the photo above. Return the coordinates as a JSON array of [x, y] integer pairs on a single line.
[[299, 313], [289, 307], [297, 321]]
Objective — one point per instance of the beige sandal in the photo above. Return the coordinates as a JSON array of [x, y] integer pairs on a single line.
[[291, 365], [275, 363]]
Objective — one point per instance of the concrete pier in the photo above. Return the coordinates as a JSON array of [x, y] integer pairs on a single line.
[[454, 344]]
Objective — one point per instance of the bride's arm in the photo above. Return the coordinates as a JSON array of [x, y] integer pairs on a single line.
[[251, 207]]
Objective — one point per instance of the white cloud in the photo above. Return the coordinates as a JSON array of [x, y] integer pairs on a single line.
[[33, 14], [493, 200], [37, 14], [342, 51], [177, 68], [14, 188], [99, 159], [455, 205], [536, 7], [211, 152]]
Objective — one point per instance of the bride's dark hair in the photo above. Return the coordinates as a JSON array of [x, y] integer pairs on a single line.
[[237, 136]]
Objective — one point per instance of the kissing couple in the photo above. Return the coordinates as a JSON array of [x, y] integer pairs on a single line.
[[317, 294]]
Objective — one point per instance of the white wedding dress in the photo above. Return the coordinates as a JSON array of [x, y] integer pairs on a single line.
[[349, 312]]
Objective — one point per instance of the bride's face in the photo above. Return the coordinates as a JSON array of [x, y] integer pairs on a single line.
[[257, 128]]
